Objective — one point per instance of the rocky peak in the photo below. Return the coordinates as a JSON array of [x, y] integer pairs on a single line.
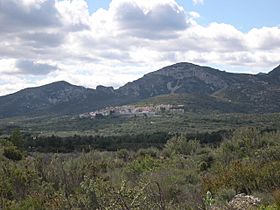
[[187, 71], [105, 89], [60, 84], [178, 70]]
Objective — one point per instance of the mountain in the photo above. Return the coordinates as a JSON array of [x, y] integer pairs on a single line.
[[205, 87], [245, 92], [261, 92], [183, 78], [55, 98]]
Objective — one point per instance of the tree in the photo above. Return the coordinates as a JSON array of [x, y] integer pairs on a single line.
[[17, 139]]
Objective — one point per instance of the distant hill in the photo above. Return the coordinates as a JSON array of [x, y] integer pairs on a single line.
[[55, 98], [202, 88]]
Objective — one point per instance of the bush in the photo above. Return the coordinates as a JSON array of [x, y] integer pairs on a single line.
[[182, 145], [152, 152], [225, 195], [123, 154], [276, 197], [142, 165], [13, 153], [17, 139]]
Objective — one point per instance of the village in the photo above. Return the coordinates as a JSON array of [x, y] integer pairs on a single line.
[[134, 111]]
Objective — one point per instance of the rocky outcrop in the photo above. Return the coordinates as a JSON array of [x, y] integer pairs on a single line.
[[240, 202], [244, 202]]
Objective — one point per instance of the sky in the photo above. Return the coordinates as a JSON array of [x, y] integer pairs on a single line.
[[103, 42]]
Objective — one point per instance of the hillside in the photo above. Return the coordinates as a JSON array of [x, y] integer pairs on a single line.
[[57, 98], [197, 103], [208, 88]]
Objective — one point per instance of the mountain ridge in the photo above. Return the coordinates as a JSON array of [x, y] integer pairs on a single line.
[[260, 92]]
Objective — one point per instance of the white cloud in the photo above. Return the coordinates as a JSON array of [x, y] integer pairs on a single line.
[[198, 1], [75, 14], [264, 38], [194, 14], [148, 19], [120, 44]]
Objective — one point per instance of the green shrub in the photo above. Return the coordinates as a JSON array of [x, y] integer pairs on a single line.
[[13, 153], [225, 195], [276, 197], [31, 203], [142, 165], [182, 145], [208, 200], [123, 154], [152, 152], [17, 139], [269, 207]]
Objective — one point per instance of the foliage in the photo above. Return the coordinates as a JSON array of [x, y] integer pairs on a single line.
[[183, 174], [208, 200], [181, 145], [12, 153], [17, 138], [276, 197]]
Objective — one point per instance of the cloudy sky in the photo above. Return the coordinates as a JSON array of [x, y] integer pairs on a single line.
[[112, 42]]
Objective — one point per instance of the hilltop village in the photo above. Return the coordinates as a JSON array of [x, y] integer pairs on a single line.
[[132, 110]]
